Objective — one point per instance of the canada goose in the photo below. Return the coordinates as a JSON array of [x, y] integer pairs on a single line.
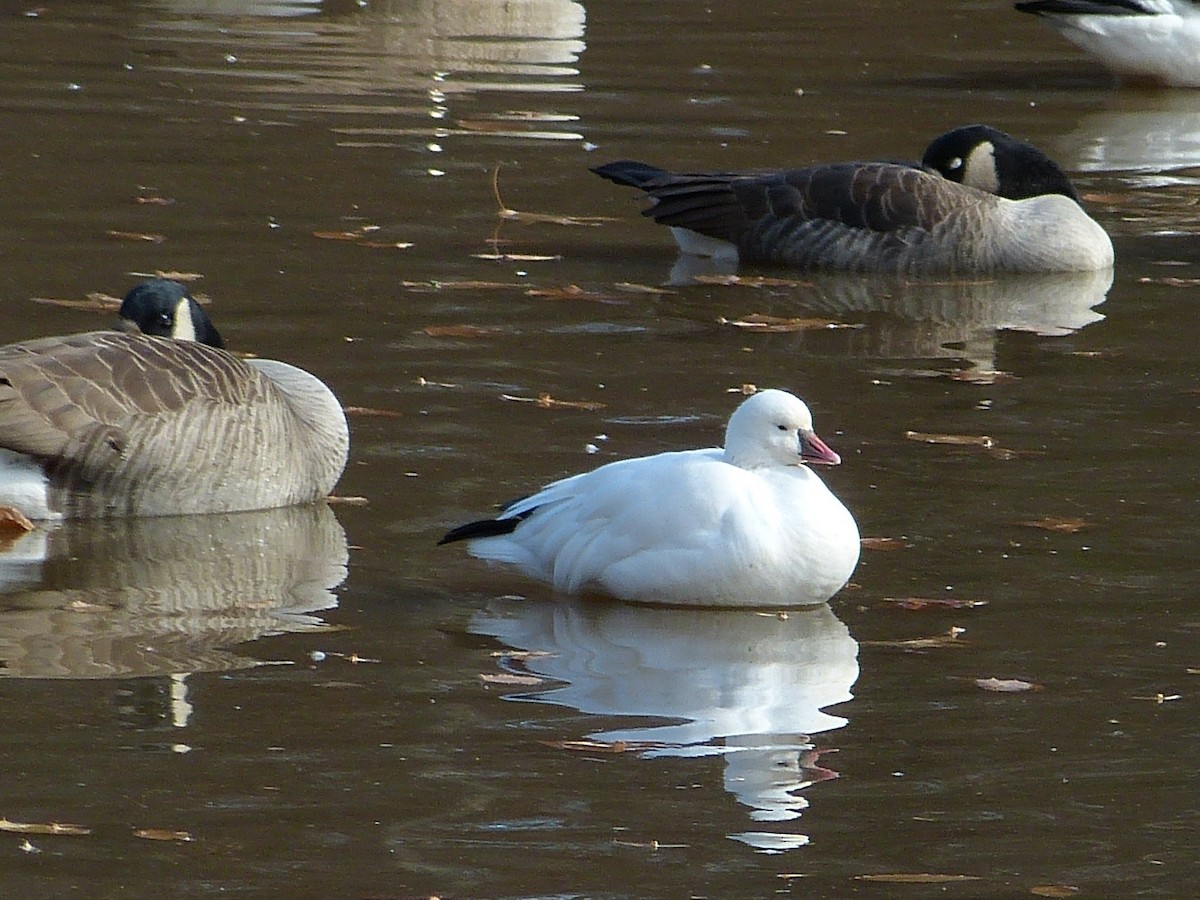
[[1155, 41], [983, 203], [747, 525], [116, 424]]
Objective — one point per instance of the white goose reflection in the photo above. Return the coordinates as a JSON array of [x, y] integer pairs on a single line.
[[747, 685], [159, 596]]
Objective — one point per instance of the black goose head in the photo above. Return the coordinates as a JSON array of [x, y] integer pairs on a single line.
[[986, 158], [164, 308]]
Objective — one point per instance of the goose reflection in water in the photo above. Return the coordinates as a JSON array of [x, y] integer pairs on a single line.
[[164, 595], [953, 319], [750, 686]]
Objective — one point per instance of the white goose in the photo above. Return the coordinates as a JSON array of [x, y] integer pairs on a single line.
[[980, 202], [1153, 41], [744, 526], [115, 424]]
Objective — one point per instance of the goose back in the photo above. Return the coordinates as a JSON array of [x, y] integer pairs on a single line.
[[126, 424]]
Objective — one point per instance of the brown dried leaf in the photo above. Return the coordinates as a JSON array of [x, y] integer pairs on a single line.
[[1054, 890], [153, 201], [1051, 523], [917, 878], [630, 288], [545, 401], [602, 747], [751, 281], [517, 257], [461, 331], [513, 215], [337, 500], [162, 834], [759, 322], [573, 292], [95, 302], [373, 411], [12, 519], [950, 639], [136, 236], [386, 245], [915, 603], [509, 678], [884, 543], [40, 828], [1007, 685], [954, 440]]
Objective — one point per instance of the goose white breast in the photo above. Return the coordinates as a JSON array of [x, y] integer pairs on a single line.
[[747, 525]]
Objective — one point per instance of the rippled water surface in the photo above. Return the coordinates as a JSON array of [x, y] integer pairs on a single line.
[[328, 705]]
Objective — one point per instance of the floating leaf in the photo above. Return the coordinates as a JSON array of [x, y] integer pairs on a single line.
[[95, 302], [950, 639], [337, 235], [1050, 523], [545, 401], [12, 519], [517, 257], [760, 322], [153, 200], [1054, 890], [461, 331], [510, 678], [917, 878], [336, 500], [457, 285], [40, 828], [513, 215], [162, 834], [983, 376], [1169, 281], [573, 292], [631, 288], [606, 747], [884, 543], [1007, 685], [373, 411], [751, 281], [136, 236], [423, 382], [954, 440], [915, 603]]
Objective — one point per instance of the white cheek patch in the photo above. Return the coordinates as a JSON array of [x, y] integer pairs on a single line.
[[979, 170], [182, 328]]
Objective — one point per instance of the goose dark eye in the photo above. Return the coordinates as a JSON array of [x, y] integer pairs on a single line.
[[782, 427]]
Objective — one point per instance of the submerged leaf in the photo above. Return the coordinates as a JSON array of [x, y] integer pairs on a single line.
[[545, 401], [954, 440], [884, 543], [162, 834], [933, 603], [136, 236], [917, 878], [461, 331], [760, 322]]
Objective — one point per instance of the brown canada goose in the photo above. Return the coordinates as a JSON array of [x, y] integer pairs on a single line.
[[980, 202], [107, 423]]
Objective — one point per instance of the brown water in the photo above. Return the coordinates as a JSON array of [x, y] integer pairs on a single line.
[[388, 767]]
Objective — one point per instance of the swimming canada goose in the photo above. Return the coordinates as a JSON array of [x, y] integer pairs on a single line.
[[746, 525], [1155, 41], [980, 202], [107, 423]]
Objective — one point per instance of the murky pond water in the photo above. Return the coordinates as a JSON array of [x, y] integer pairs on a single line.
[[329, 705]]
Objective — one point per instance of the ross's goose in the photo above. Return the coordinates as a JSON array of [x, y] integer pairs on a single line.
[[980, 202], [747, 525]]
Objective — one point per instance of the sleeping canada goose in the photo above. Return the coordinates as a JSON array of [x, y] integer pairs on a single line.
[[746, 525], [1155, 41], [106, 423], [980, 202]]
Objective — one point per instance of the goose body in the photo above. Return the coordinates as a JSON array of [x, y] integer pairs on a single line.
[[117, 424], [1156, 41], [980, 202], [739, 526]]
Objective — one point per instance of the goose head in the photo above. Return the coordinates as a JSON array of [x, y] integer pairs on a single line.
[[774, 428], [986, 158], [164, 308]]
